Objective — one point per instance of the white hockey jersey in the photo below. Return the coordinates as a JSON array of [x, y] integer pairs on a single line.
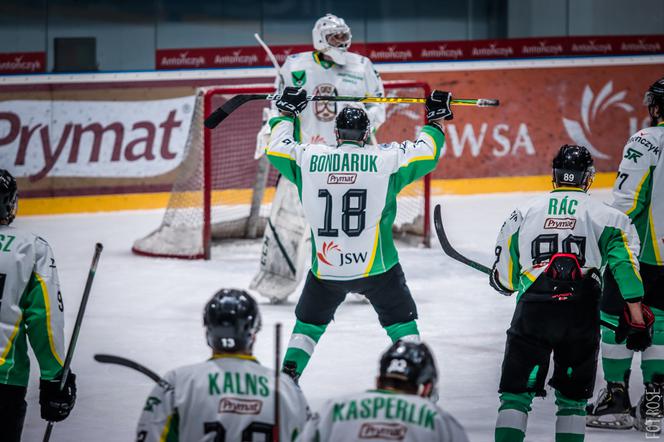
[[382, 416], [319, 77], [567, 220], [639, 190], [349, 195], [226, 398], [30, 306]]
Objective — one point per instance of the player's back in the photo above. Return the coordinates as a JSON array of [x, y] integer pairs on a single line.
[[231, 398], [383, 416], [349, 198], [18, 249], [566, 220]]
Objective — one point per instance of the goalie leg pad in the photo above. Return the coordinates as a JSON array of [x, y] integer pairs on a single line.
[[284, 246]]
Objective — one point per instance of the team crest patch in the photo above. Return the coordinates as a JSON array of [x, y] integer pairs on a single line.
[[325, 110], [299, 78]]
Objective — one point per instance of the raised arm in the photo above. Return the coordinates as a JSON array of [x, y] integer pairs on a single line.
[[283, 151], [416, 159]]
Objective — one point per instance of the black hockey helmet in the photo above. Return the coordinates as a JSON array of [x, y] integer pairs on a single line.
[[655, 98], [232, 320], [409, 363], [573, 166], [8, 197], [352, 124]]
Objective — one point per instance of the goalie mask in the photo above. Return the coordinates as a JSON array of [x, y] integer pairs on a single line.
[[232, 320], [8, 197], [410, 363], [331, 36], [573, 166], [655, 98]]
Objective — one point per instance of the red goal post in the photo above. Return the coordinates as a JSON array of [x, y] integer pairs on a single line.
[[221, 191]]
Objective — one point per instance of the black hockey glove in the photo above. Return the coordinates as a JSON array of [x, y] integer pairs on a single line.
[[495, 283], [293, 100], [56, 404], [438, 106], [639, 337]]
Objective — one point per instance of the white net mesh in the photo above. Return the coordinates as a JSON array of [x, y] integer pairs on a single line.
[[239, 185]]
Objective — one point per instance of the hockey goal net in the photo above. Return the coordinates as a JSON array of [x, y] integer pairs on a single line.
[[221, 191]]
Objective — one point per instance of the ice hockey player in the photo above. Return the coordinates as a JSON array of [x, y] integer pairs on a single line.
[[639, 193], [400, 408], [30, 306], [328, 70], [550, 251], [231, 394], [348, 193]]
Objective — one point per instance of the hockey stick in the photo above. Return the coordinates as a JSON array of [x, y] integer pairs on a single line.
[[77, 328], [277, 370], [447, 247], [452, 253], [271, 56], [219, 115], [118, 360]]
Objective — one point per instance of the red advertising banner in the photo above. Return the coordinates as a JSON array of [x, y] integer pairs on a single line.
[[252, 56], [540, 110], [22, 62]]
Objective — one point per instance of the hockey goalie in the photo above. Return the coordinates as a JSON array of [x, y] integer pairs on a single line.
[[327, 70]]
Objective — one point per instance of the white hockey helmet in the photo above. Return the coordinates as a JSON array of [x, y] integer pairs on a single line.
[[332, 37]]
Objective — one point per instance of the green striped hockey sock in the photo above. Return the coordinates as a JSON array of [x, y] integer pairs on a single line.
[[403, 330], [513, 416], [302, 342], [616, 358], [570, 419], [652, 359]]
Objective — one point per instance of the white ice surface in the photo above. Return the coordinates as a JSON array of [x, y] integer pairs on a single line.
[[150, 310]]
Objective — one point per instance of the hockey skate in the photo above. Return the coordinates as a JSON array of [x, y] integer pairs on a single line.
[[612, 409], [650, 410]]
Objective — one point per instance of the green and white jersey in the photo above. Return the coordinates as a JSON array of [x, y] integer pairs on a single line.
[[227, 398], [568, 220], [319, 77], [30, 307], [349, 195], [639, 190], [382, 416]]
